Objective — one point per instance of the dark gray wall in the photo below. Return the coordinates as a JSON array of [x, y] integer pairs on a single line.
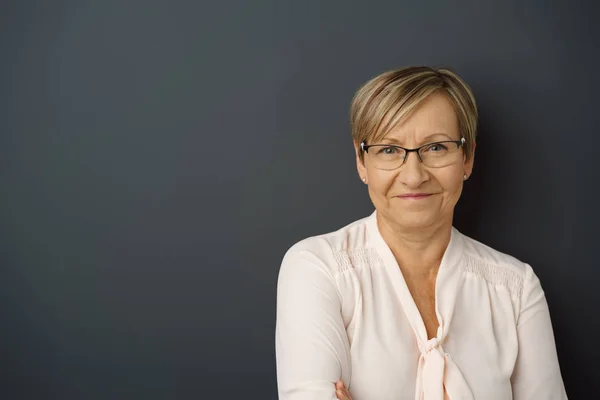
[[159, 157]]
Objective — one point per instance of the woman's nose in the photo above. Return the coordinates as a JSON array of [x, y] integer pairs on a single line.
[[412, 173]]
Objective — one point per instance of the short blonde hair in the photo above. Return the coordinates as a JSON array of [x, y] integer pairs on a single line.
[[386, 100]]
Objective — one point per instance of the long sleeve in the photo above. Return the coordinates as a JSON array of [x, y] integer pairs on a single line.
[[537, 372], [312, 349]]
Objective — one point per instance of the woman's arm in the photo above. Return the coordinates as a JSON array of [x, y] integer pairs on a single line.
[[537, 373], [312, 348]]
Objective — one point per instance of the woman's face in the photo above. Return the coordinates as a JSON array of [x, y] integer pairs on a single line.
[[433, 121]]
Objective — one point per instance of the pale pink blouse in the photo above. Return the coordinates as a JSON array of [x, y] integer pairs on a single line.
[[344, 311]]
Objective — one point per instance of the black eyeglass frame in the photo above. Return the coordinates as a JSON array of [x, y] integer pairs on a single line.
[[365, 148]]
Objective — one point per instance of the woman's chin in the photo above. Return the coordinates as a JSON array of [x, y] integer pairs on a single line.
[[415, 220]]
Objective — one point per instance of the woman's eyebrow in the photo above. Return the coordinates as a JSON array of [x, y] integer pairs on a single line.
[[435, 135], [426, 139]]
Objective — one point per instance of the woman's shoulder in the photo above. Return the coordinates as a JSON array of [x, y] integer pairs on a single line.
[[332, 247], [495, 266], [490, 255]]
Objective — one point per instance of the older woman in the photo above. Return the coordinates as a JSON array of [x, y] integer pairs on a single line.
[[400, 304]]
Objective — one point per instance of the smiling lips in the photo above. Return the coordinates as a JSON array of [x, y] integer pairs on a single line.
[[414, 196]]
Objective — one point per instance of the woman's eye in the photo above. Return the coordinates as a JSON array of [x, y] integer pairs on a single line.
[[435, 147], [388, 150]]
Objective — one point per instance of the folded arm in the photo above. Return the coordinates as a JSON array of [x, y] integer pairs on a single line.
[[312, 348]]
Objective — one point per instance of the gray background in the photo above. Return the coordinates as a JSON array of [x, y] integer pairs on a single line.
[[159, 157]]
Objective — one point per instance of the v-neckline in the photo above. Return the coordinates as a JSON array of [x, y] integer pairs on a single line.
[[447, 285]]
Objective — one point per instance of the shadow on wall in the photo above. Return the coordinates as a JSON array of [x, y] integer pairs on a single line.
[[505, 192], [481, 192]]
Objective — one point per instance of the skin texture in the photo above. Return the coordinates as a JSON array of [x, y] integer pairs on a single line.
[[417, 230], [433, 120]]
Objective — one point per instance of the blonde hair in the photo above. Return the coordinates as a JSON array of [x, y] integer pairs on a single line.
[[387, 99]]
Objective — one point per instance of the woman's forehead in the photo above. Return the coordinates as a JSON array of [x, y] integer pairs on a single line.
[[431, 137], [403, 137]]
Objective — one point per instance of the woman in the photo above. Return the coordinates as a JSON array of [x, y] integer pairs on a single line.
[[401, 305]]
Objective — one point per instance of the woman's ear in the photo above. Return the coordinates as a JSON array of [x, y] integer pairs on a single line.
[[360, 165]]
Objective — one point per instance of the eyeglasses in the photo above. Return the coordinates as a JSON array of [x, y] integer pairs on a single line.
[[434, 155]]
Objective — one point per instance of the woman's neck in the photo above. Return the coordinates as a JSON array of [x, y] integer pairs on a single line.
[[418, 252]]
